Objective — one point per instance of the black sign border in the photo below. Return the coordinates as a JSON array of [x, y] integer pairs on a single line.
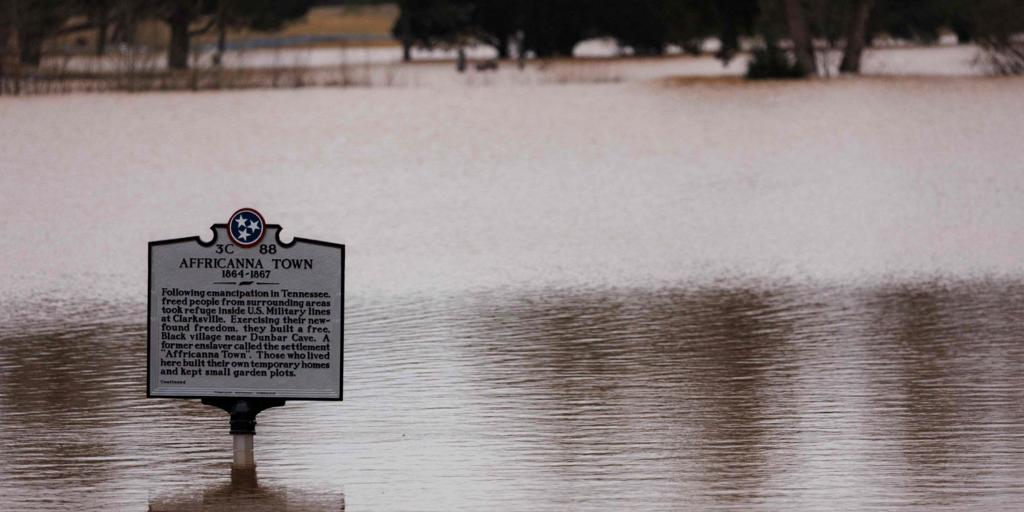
[[199, 240]]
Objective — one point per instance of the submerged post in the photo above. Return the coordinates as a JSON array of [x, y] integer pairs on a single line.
[[244, 457], [243, 413]]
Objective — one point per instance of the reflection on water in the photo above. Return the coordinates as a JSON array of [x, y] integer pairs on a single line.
[[746, 396], [242, 492]]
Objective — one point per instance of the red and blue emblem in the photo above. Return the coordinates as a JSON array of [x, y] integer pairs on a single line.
[[246, 227]]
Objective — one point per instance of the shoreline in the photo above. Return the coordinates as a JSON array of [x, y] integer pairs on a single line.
[[371, 67]]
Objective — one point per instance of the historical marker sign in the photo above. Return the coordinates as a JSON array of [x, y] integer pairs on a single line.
[[246, 315]]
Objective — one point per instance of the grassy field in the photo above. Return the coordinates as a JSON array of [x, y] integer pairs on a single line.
[[332, 20], [372, 22], [358, 20]]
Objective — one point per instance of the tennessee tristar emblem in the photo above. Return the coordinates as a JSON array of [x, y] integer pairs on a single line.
[[246, 227]]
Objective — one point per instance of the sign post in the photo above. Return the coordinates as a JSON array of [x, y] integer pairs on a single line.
[[245, 321]]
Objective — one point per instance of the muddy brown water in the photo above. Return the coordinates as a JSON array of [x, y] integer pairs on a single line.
[[896, 397], [715, 296]]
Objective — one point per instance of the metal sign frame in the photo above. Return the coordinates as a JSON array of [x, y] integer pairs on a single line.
[[213, 241]]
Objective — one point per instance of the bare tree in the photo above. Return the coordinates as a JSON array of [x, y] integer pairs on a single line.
[[856, 36], [7, 23], [1000, 33], [179, 16], [800, 35]]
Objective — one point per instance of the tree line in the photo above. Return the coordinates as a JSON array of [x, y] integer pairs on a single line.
[[787, 34], [790, 31], [28, 24]]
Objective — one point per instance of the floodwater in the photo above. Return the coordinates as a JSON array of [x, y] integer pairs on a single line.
[[599, 62], [704, 295]]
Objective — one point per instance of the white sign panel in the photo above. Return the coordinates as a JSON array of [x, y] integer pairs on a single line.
[[246, 315]]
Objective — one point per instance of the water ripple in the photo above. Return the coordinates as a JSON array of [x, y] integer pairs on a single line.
[[903, 396]]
